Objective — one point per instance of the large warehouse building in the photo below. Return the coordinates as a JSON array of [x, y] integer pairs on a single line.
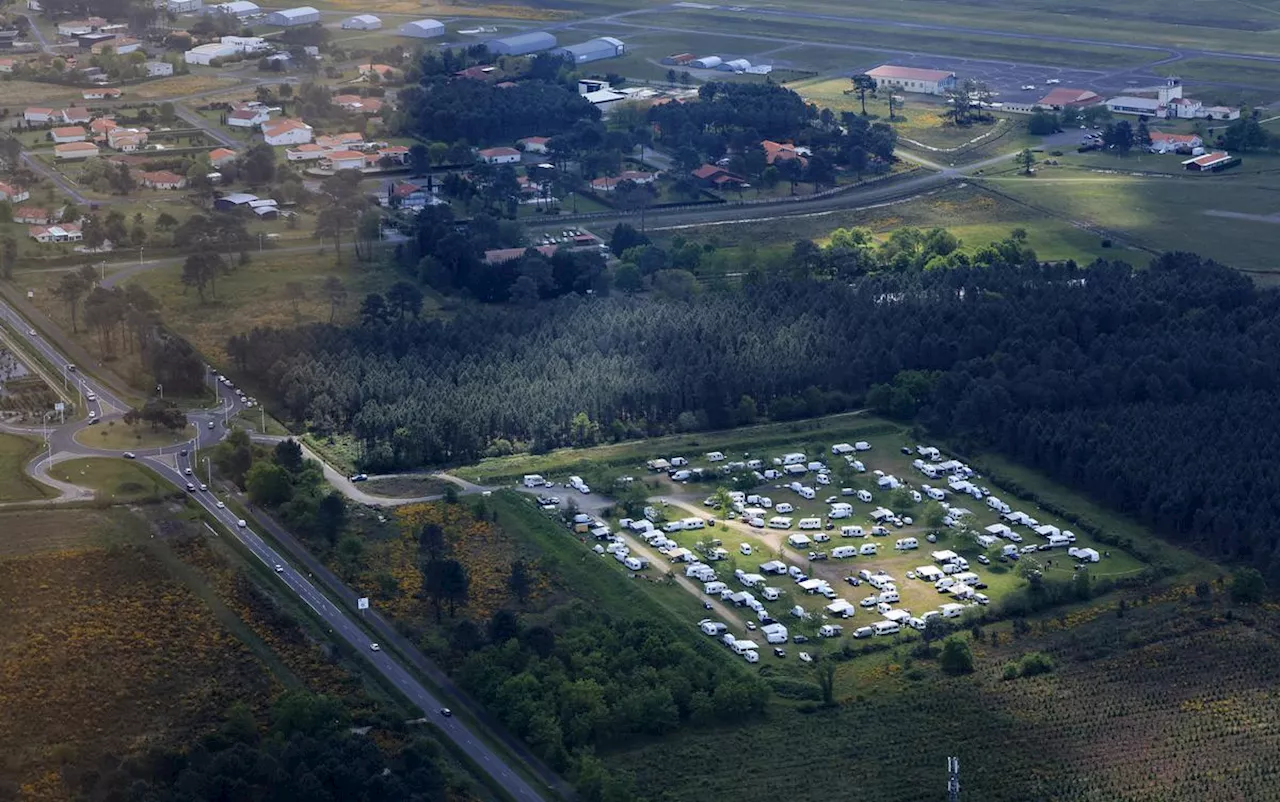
[[237, 8], [594, 50], [362, 22], [911, 79], [303, 15], [422, 29], [522, 44]]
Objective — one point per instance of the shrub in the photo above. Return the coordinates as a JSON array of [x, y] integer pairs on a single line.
[[1034, 663], [1009, 672], [956, 657]]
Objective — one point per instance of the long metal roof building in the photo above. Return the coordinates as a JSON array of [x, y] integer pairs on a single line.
[[522, 43]]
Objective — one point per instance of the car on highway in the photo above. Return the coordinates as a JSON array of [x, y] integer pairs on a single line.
[[204, 486], [191, 488], [32, 332], [187, 472], [279, 568], [241, 523], [71, 367], [444, 711], [222, 505], [91, 395], [210, 424], [130, 455], [373, 647]]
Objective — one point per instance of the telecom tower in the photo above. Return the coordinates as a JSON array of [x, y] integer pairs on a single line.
[[953, 779]]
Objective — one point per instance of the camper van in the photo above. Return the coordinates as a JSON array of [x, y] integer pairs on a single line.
[[810, 523], [885, 627], [998, 505], [858, 466], [710, 627], [714, 456], [844, 552], [862, 445], [839, 449], [852, 531], [864, 496], [830, 631], [784, 507], [770, 594], [681, 475], [754, 464], [633, 563], [807, 493], [533, 480], [793, 459], [945, 584], [1007, 550], [774, 633], [967, 578], [1058, 540], [951, 610], [679, 462], [799, 541], [868, 549], [906, 544], [823, 478], [779, 522], [890, 597], [714, 588], [694, 523], [840, 510]]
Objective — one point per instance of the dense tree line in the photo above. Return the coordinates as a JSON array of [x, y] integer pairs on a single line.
[[481, 113], [304, 753]]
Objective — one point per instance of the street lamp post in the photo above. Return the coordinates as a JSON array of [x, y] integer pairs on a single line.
[[160, 390]]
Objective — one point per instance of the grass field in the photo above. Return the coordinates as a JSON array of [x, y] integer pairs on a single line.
[[116, 480], [255, 295], [15, 485], [62, 529], [405, 486], [117, 435], [179, 85]]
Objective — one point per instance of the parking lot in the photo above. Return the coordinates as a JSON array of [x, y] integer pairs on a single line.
[[849, 540]]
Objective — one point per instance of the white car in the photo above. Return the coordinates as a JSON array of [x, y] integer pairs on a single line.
[[187, 472], [279, 568], [1028, 87], [373, 647], [1053, 81]]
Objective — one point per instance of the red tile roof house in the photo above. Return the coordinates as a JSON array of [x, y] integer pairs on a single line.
[[610, 183], [712, 175], [13, 194], [220, 156], [162, 179], [33, 215], [499, 156], [773, 151], [74, 116], [37, 114], [534, 144], [70, 133]]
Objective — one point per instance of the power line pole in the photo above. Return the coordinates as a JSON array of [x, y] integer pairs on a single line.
[[953, 779]]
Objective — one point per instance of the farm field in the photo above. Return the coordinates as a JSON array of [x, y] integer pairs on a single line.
[[15, 485], [1188, 681], [179, 85]]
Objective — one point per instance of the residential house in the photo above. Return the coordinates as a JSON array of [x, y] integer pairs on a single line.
[[76, 116], [1162, 142], [162, 179], [714, 176], [912, 79], [69, 133], [343, 160], [221, 156], [75, 150], [405, 195], [398, 154], [62, 232], [102, 126], [38, 114], [7, 64], [34, 215], [340, 141], [158, 69], [610, 183], [249, 118], [1221, 113], [363, 105], [13, 194], [101, 93], [286, 132], [80, 27], [534, 144], [127, 140], [1211, 162], [305, 153], [499, 156], [784, 151]]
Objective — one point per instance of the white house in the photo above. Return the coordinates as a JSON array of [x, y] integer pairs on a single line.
[[37, 114], [70, 133], [205, 54], [63, 232], [249, 118], [157, 69], [534, 144], [343, 160], [499, 156], [362, 22], [13, 194], [286, 132], [912, 79]]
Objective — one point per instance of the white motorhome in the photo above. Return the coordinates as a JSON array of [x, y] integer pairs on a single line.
[[714, 456], [799, 541], [868, 549], [744, 646], [779, 522], [810, 523], [840, 510], [533, 480], [951, 610], [929, 573], [682, 475], [634, 563], [773, 567], [840, 449], [997, 505], [807, 493], [770, 594], [945, 584], [885, 627], [794, 458], [858, 466], [1057, 541], [862, 445], [710, 627], [852, 531], [830, 631], [694, 523], [714, 588], [784, 506], [890, 596], [864, 496], [1084, 555], [906, 544], [679, 462], [795, 470], [774, 633], [967, 577], [844, 552]]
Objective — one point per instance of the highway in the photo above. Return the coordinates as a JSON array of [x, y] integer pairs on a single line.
[[172, 462]]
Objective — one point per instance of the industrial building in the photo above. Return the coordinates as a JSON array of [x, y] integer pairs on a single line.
[[593, 50], [289, 17], [205, 54], [362, 22], [735, 65], [911, 79], [522, 44], [183, 6], [240, 9], [422, 29], [706, 62]]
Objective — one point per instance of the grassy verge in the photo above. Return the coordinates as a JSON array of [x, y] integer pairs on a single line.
[[405, 486], [113, 480], [15, 485], [117, 435]]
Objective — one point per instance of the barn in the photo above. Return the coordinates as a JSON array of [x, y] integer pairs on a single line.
[[593, 50], [362, 22], [522, 43], [422, 29], [289, 17]]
